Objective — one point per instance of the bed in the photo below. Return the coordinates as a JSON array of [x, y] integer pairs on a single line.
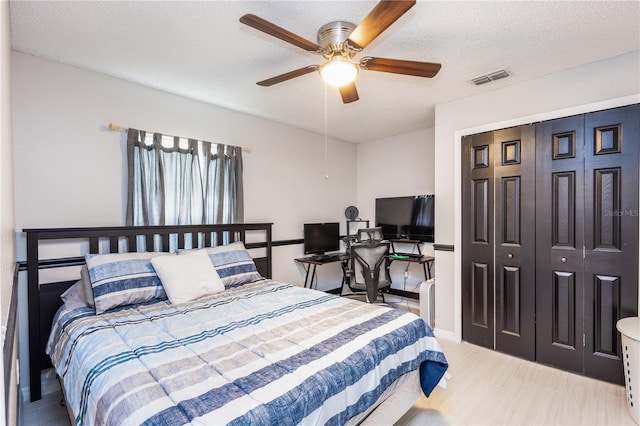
[[254, 351]]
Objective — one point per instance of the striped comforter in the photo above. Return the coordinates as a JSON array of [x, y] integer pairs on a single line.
[[263, 353]]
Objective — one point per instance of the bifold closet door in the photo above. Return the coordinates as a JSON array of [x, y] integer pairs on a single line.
[[498, 251], [587, 239], [560, 239], [611, 235], [515, 269], [478, 240]]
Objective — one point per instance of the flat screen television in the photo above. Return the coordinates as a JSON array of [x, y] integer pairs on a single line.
[[406, 218], [320, 238]]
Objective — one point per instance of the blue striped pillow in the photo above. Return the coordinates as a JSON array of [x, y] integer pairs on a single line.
[[121, 279], [233, 263]]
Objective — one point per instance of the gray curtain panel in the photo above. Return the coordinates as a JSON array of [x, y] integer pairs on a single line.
[[223, 177], [170, 183]]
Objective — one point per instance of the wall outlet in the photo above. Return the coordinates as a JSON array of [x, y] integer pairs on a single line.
[[406, 274]]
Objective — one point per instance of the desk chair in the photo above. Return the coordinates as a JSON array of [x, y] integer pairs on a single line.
[[370, 234], [368, 271]]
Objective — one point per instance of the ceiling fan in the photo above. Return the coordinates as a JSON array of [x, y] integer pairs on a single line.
[[339, 41]]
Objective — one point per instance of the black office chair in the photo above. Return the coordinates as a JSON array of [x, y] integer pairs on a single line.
[[368, 271], [370, 234]]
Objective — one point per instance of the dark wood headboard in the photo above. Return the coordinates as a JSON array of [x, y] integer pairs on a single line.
[[44, 299]]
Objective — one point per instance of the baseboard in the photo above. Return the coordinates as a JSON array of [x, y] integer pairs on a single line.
[[446, 334], [49, 385]]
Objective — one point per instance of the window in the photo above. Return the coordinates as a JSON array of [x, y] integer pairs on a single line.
[[179, 181]]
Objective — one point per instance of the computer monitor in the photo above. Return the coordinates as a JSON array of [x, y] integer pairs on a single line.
[[320, 238], [406, 218]]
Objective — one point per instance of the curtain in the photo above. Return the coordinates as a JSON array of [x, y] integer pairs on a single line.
[[223, 177], [177, 181]]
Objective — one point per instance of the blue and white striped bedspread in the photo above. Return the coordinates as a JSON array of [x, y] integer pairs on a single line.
[[265, 353]]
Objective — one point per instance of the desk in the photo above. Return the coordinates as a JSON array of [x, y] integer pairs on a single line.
[[425, 261], [310, 264]]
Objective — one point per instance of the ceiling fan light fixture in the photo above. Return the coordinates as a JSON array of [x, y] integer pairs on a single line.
[[339, 71]]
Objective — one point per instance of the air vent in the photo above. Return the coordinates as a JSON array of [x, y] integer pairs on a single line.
[[496, 75]]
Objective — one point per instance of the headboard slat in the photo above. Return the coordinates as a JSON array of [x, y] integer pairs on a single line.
[[149, 245], [132, 243], [93, 245], [113, 244]]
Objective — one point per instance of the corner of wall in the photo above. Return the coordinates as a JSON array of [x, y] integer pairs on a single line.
[[9, 386]]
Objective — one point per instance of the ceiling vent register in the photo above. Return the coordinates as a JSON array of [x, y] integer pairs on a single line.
[[487, 78]]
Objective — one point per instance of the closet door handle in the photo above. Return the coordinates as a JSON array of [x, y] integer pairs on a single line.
[[510, 256], [563, 259]]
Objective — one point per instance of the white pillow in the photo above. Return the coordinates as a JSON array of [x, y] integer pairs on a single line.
[[187, 277]]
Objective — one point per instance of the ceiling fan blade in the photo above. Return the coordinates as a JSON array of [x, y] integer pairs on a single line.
[[399, 66], [381, 16], [276, 31], [349, 93], [288, 76]]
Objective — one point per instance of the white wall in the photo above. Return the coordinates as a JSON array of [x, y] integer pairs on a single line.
[[394, 167], [600, 85], [71, 171], [7, 244]]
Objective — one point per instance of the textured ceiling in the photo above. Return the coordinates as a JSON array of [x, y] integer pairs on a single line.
[[200, 50]]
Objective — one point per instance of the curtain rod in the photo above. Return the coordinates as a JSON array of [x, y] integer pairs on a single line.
[[115, 128]]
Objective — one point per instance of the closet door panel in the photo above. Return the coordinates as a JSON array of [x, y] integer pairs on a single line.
[[480, 205], [478, 240], [481, 288], [611, 235], [563, 306], [514, 171], [510, 301], [559, 242], [563, 232]]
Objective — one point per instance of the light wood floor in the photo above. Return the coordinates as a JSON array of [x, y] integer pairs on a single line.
[[488, 387], [46, 412], [485, 387]]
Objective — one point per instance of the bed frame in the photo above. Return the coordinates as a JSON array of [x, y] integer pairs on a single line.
[[44, 299]]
